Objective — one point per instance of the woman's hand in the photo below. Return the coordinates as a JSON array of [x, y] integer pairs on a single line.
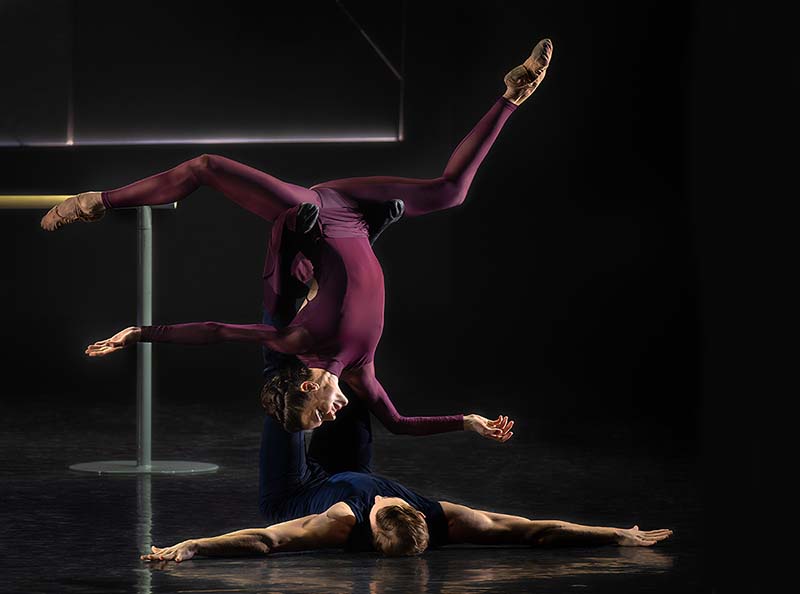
[[120, 340], [498, 430], [183, 551]]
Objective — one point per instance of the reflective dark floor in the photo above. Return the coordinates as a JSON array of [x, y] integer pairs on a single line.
[[64, 531]]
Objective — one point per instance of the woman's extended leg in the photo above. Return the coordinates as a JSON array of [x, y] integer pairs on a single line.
[[260, 193], [422, 196]]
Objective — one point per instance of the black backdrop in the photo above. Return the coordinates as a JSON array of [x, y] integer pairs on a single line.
[[583, 283]]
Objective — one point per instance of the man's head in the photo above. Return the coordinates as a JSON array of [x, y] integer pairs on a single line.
[[398, 528], [300, 398]]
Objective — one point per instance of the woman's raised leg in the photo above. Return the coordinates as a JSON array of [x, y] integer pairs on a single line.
[[422, 196], [260, 193]]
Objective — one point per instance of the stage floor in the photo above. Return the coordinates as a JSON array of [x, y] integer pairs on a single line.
[[66, 532]]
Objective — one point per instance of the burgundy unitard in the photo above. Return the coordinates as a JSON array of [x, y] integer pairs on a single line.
[[340, 328]]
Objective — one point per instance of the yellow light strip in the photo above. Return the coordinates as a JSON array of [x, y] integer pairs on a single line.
[[46, 201]]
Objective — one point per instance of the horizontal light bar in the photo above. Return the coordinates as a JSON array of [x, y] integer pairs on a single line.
[[221, 140], [20, 201]]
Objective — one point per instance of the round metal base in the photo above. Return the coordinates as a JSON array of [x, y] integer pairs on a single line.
[[156, 467]]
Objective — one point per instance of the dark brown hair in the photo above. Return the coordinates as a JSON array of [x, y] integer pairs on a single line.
[[402, 531], [282, 398]]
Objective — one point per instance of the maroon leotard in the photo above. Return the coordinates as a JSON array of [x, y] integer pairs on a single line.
[[340, 328]]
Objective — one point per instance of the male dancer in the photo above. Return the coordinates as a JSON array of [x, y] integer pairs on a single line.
[[310, 507]]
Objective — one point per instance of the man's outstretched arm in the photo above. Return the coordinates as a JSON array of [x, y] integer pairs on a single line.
[[467, 525], [326, 530]]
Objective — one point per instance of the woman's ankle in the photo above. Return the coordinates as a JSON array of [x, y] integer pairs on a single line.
[[91, 203]]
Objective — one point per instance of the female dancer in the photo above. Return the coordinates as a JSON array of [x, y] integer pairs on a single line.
[[335, 336]]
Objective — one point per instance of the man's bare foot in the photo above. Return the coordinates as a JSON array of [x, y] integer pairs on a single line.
[[522, 80], [87, 207]]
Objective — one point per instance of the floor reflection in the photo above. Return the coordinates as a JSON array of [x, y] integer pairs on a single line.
[[144, 529], [454, 570]]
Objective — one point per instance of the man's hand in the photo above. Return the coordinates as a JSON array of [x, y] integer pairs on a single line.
[[633, 537], [119, 341], [182, 551], [498, 430]]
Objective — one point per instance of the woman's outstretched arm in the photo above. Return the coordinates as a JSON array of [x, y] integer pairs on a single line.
[[292, 340], [369, 389]]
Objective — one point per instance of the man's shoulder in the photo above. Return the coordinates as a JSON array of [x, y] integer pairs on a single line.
[[452, 511], [341, 512]]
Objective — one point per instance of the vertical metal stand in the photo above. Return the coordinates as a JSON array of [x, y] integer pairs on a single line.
[[144, 350], [144, 377]]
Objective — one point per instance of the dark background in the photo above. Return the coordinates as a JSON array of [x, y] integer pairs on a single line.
[[586, 287]]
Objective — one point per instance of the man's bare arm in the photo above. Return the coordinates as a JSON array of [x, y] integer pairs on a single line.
[[467, 525], [325, 530]]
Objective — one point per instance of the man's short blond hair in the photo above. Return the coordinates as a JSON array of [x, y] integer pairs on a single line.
[[402, 531]]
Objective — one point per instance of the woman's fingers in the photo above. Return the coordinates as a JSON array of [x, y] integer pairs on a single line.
[[506, 426], [498, 428], [502, 438], [499, 422], [102, 348], [98, 351]]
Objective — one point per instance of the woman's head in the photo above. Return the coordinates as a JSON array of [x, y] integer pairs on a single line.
[[301, 398]]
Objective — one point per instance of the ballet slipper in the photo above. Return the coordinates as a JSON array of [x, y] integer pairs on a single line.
[[521, 81], [86, 207]]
